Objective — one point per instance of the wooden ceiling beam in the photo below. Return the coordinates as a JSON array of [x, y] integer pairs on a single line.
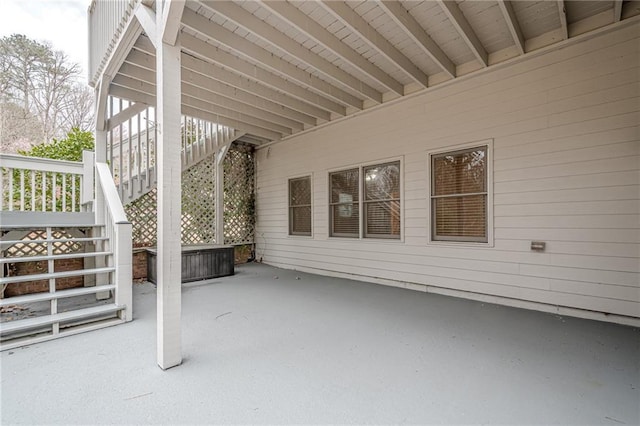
[[456, 17], [195, 109], [243, 68], [360, 26], [412, 28], [171, 17], [562, 13], [272, 36], [294, 17], [266, 59], [308, 113], [208, 90], [617, 10], [198, 72], [512, 22]]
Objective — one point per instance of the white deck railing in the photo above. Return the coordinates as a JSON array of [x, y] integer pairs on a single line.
[[117, 230], [45, 185], [107, 20]]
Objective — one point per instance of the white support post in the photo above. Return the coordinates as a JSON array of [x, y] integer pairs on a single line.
[[219, 199], [123, 261], [99, 203], [88, 183], [101, 144], [169, 304], [99, 209]]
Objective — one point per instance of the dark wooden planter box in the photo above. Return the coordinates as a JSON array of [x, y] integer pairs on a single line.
[[199, 262]]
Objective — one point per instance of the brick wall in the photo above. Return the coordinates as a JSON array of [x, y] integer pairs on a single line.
[[30, 268], [139, 261], [242, 253]]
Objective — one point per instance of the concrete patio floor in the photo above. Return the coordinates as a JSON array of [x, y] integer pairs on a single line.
[[265, 347]]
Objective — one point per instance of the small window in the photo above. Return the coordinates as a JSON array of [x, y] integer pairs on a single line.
[[459, 195], [344, 203], [375, 213], [300, 206], [382, 201]]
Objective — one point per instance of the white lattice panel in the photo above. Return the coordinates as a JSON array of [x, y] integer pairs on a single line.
[[239, 195], [198, 203], [30, 248]]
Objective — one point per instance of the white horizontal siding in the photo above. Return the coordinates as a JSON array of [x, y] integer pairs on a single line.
[[566, 159]]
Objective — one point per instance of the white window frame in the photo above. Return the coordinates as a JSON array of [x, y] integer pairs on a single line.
[[361, 222], [289, 179], [489, 173]]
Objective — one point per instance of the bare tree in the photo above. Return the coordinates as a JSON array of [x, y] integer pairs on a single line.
[[78, 110], [41, 96], [51, 84]]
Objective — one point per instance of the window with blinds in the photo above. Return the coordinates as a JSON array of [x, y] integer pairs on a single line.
[[382, 200], [344, 203], [378, 208], [300, 206], [459, 195]]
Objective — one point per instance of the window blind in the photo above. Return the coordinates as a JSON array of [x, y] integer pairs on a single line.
[[459, 195], [344, 203], [382, 200], [300, 206]]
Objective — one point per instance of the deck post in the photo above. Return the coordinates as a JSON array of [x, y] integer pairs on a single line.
[[169, 352], [99, 204], [102, 91], [221, 153]]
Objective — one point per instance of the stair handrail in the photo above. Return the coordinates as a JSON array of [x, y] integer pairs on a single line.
[[117, 229], [35, 193]]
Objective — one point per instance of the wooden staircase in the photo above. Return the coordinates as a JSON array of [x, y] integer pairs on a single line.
[[57, 311], [64, 269], [200, 145]]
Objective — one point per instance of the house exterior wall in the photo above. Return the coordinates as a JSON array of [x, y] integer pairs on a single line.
[[566, 171]]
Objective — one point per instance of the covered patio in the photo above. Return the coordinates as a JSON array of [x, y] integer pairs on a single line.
[[279, 346]]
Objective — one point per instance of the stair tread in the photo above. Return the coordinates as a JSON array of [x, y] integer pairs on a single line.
[[25, 324], [63, 274], [41, 297], [54, 257]]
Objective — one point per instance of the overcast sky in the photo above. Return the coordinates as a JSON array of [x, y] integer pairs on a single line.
[[63, 23]]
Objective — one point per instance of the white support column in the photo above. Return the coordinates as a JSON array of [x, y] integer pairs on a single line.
[[99, 204], [219, 192], [122, 260], [169, 352], [101, 142]]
